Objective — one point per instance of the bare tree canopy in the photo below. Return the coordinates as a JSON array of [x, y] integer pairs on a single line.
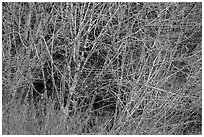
[[102, 68]]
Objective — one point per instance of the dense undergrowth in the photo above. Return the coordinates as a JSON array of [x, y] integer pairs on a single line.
[[101, 68]]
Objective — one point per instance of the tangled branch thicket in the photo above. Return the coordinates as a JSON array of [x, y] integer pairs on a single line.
[[101, 68]]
